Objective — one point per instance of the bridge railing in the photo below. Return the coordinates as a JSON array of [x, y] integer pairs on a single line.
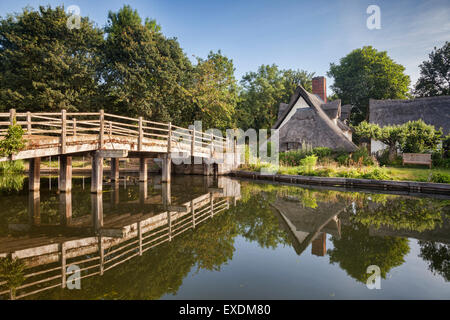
[[107, 127]]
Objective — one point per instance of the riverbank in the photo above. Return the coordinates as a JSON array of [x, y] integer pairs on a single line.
[[411, 186]]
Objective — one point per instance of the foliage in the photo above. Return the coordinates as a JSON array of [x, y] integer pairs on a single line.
[[309, 163], [292, 157], [263, 91], [12, 271], [438, 257], [16, 166], [145, 74], [419, 137], [46, 66], [322, 152], [362, 157], [343, 159], [367, 74], [440, 177], [213, 92], [13, 141], [356, 249], [434, 77]]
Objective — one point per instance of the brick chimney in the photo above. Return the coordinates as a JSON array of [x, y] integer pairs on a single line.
[[319, 87]]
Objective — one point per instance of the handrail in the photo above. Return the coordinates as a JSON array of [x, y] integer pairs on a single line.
[[106, 126]]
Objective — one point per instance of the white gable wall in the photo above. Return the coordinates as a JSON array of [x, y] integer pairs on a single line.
[[301, 103]]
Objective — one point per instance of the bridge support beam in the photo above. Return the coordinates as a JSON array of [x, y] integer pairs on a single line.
[[65, 208], [34, 173], [114, 169], [65, 173], [97, 211], [34, 212], [97, 173], [143, 169], [166, 168]]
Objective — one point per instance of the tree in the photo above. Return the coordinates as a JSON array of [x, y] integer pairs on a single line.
[[45, 66], [264, 90], [392, 136], [419, 137], [144, 72], [213, 92], [434, 77], [367, 73]]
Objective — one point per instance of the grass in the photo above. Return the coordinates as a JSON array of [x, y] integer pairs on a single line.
[[407, 173]]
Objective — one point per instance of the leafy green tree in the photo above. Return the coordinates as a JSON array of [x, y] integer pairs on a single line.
[[392, 136], [356, 249], [419, 137], [367, 73], [434, 77], [144, 72], [45, 66], [13, 141], [264, 90], [438, 257], [213, 92]]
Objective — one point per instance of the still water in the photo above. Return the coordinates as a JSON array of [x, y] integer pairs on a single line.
[[243, 240]]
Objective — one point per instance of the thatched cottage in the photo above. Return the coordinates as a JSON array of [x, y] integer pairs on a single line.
[[432, 110], [309, 119]]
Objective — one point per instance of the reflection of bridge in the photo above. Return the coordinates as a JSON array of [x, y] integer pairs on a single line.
[[108, 240], [309, 225], [104, 135]]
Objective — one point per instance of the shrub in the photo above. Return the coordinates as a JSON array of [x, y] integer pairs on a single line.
[[343, 159], [322, 152], [419, 137], [13, 141], [439, 177], [362, 156], [293, 158], [309, 163], [376, 174]]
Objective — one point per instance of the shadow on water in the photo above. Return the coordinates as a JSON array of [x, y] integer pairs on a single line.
[[145, 240]]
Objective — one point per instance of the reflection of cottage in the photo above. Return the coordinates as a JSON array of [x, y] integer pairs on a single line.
[[309, 119], [309, 225], [432, 110]]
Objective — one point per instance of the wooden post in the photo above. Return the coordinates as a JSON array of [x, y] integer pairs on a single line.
[[97, 211], [114, 169], [97, 173], [139, 227], [169, 139], [236, 164], [12, 116], [65, 208], [63, 265], [166, 167], [63, 131], [143, 171], [29, 123], [102, 129], [143, 194], [141, 135], [74, 120], [193, 144], [193, 213], [211, 203], [65, 174], [34, 173], [34, 206], [101, 252]]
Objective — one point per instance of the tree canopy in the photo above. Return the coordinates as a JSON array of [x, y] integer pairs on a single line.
[[364, 74], [435, 73], [263, 91], [45, 66]]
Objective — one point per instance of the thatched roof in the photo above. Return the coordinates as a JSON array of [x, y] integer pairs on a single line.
[[282, 108], [345, 112], [311, 124], [432, 110], [332, 109]]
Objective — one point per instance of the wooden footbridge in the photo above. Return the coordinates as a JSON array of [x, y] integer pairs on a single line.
[[114, 239], [103, 135]]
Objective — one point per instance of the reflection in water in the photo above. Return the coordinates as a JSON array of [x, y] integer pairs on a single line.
[[142, 240]]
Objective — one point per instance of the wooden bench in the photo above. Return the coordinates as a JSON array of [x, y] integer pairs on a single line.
[[417, 158]]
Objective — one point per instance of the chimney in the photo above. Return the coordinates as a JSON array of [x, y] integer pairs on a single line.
[[319, 87]]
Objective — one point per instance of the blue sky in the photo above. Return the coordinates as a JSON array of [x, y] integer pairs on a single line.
[[292, 34]]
